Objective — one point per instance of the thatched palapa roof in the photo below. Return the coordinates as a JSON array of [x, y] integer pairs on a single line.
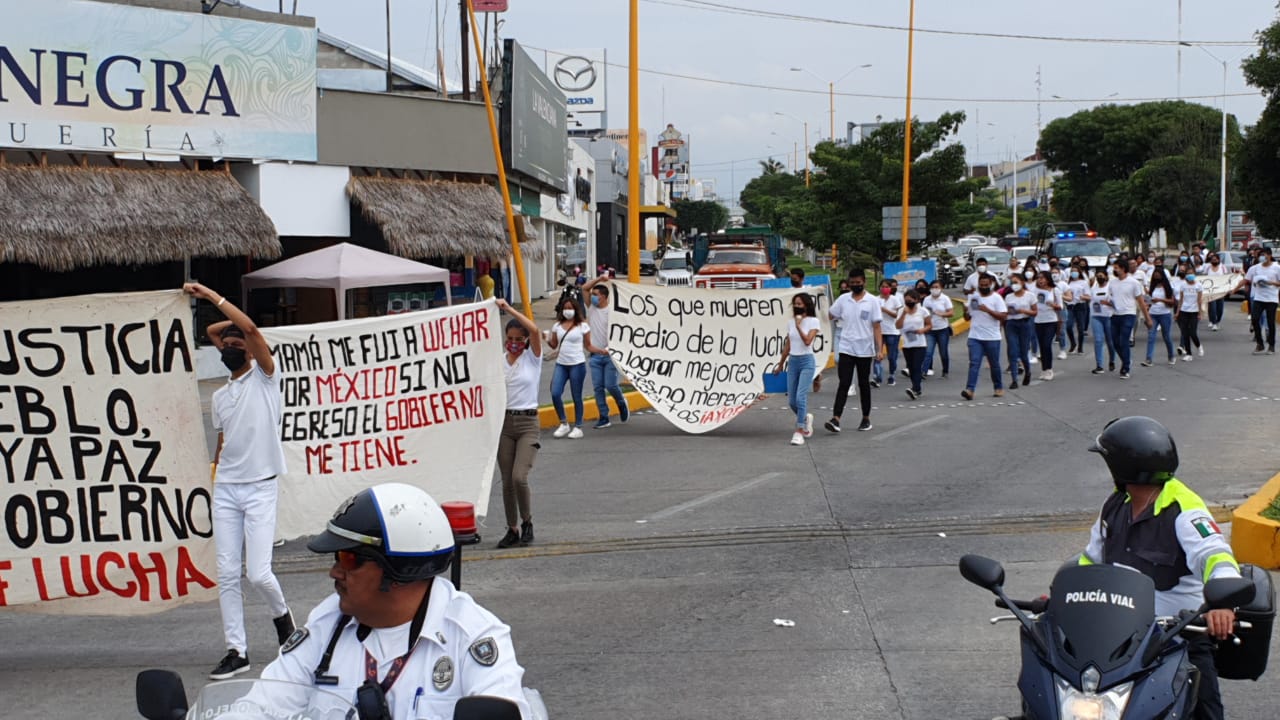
[[431, 218], [63, 218]]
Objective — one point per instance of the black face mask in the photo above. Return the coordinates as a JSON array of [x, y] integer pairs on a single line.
[[910, 303], [799, 310], [857, 289], [984, 290], [233, 357]]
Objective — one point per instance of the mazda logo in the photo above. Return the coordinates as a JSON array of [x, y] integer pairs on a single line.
[[575, 74]]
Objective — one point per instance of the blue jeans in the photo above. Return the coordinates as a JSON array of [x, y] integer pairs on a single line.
[[890, 355], [978, 349], [1045, 333], [800, 370], [1215, 311], [1019, 333], [604, 378], [1101, 336], [574, 375], [1121, 331], [941, 340], [1163, 323], [1077, 324]]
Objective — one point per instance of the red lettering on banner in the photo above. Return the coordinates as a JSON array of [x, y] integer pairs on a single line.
[[86, 572], [4, 565], [454, 331], [150, 576], [141, 571], [341, 386], [38, 566], [373, 453], [188, 573], [114, 558], [323, 456], [435, 409], [722, 414]]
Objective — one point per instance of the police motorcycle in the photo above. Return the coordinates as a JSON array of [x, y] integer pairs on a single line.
[[1095, 649], [160, 696]]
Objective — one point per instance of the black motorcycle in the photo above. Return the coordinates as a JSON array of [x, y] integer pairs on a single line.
[[1095, 649]]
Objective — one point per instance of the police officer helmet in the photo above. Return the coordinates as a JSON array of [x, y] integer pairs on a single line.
[[398, 526], [1137, 450]]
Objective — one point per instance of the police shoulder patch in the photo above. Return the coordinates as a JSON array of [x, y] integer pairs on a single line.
[[295, 639], [485, 651], [1206, 526]]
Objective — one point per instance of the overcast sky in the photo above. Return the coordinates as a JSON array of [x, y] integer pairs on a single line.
[[731, 127]]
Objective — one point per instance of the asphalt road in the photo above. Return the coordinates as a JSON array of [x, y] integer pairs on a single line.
[[664, 559]]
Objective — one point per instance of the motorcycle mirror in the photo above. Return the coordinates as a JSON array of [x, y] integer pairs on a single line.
[[160, 695], [485, 707], [1228, 592], [982, 571]]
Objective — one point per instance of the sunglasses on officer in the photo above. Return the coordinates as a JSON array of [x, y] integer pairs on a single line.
[[348, 560]]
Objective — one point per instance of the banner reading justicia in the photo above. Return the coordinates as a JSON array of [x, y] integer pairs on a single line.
[[104, 477]]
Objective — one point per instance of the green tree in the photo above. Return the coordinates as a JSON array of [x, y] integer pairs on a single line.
[[765, 197], [1181, 193], [703, 215], [1257, 164]]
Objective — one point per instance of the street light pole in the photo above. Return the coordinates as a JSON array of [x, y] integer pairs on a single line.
[[831, 92], [1223, 240], [633, 149], [906, 145], [806, 143]]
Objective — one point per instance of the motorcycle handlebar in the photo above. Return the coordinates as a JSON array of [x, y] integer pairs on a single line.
[[1034, 607]]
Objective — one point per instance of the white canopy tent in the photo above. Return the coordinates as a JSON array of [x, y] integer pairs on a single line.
[[344, 267]]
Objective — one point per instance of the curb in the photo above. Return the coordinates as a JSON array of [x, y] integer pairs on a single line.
[[1255, 539], [547, 417]]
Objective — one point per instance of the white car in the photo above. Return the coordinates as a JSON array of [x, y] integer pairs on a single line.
[[675, 268], [969, 242]]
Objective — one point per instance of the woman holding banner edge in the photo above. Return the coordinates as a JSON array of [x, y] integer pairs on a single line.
[[521, 432], [799, 349]]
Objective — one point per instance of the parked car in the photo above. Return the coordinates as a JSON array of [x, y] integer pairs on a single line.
[[647, 264], [997, 261], [1093, 250], [970, 241], [675, 268]]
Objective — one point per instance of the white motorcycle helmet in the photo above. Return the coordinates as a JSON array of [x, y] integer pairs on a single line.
[[399, 526]]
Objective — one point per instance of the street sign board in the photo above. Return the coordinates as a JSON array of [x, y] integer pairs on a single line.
[[895, 211]]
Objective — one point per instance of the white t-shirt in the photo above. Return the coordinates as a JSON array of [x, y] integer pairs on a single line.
[[857, 319], [1265, 282], [1078, 288], [808, 324], [523, 377], [598, 320], [571, 343], [936, 306], [1159, 308], [915, 319], [971, 282], [1098, 293], [981, 325], [889, 309], [247, 411], [1190, 297], [1046, 298], [1019, 307], [1124, 295]]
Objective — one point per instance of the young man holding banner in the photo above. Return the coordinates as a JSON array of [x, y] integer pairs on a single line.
[[246, 412], [604, 376]]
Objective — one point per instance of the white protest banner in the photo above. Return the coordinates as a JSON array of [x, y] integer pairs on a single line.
[[1217, 287], [699, 356], [417, 398], [104, 472]]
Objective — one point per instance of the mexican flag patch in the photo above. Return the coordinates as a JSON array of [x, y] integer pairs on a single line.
[[1206, 527]]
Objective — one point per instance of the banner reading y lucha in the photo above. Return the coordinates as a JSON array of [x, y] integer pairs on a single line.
[[103, 467], [699, 356], [415, 398]]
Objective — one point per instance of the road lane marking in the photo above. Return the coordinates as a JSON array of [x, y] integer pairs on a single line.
[[712, 497], [911, 426]]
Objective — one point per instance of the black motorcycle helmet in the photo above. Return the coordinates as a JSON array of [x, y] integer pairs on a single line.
[[1138, 450], [398, 526]]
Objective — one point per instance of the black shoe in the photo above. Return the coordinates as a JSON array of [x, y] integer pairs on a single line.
[[875, 383], [865, 424], [511, 539], [1111, 367], [1026, 379], [526, 532], [1014, 385], [1098, 370], [284, 626], [832, 425], [233, 664]]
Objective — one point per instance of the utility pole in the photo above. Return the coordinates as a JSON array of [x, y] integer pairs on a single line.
[[906, 145], [390, 76], [466, 54], [1038, 87]]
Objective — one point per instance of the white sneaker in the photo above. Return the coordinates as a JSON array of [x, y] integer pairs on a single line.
[[1174, 361], [1062, 354], [808, 425], [561, 431], [1034, 359], [928, 373], [575, 433], [797, 438], [1200, 351], [1185, 358], [1213, 327]]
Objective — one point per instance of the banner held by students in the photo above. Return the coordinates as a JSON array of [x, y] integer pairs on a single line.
[[104, 471], [1217, 287], [699, 356], [415, 398]]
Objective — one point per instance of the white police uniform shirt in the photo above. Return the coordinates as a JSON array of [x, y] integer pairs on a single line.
[[464, 650]]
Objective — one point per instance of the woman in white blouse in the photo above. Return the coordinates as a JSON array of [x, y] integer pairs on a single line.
[[799, 349], [521, 432], [572, 336]]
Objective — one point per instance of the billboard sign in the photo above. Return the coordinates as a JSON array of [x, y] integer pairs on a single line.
[[89, 76], [483, 6], [581, 76], [534, 120]]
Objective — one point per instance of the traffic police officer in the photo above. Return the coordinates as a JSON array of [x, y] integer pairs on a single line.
[[395, 627], [1158, 526]]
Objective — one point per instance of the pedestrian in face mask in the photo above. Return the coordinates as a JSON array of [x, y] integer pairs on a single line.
[[913, 323], [799, 350], [571, 335], [248, 460], [941, 311]]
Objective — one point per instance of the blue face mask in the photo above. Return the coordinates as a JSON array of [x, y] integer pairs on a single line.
[[595, 301], [1191, 278]]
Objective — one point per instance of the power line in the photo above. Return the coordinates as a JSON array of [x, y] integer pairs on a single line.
[[707, 6]]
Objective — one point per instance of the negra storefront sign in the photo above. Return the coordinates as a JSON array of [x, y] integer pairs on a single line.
[[115, 78]]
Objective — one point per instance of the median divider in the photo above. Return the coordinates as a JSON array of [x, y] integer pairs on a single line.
[[1254, 538], [547, 417]]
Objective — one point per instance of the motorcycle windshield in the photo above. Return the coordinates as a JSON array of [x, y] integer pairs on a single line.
[[268, 700], [1099, 615]]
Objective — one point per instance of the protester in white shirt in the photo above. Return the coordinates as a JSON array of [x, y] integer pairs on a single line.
[[1077, 307], [913, 323], [1098, 298], [985, 310], [858, 313], [1190, 302], [1019, 330], [1163, 300], [1126, 301], [521, 432], [1263, 281], [571, 335], [1048, 304], [799, 351], [941, 310], [1214, 268], [890, 306]]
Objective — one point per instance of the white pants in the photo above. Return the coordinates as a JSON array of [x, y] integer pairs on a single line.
[[244, 526]]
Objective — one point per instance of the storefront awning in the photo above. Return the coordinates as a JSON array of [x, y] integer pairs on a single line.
[[432, 219], [656, 210], [63, 218]]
